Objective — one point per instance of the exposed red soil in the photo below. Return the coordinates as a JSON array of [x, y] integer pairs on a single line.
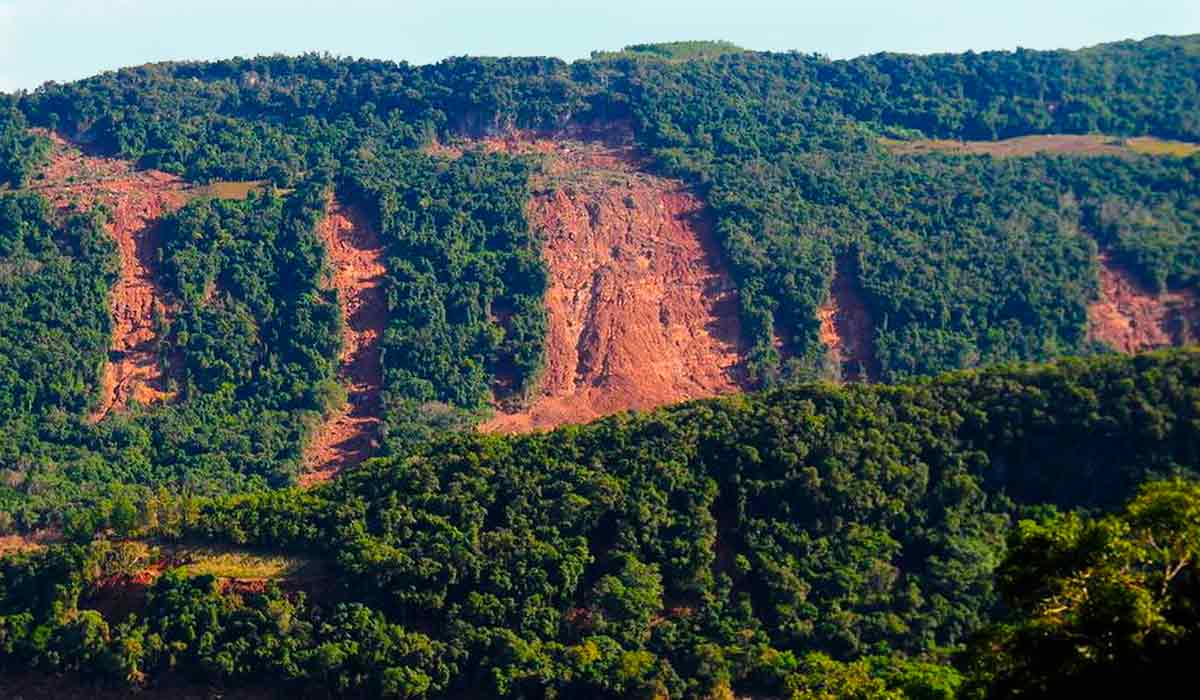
[[28, 542], [847, 328], [1130, 318], [356, 255], [641, 311], [137, 200], [117, 597]]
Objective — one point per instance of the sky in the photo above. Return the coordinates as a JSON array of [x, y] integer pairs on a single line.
[[65, 40]]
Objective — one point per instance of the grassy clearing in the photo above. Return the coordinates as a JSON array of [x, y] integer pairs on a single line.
[[228, 562], [193, 560], [1068, 144], [230, 189], [1161, 147], [673, 51]]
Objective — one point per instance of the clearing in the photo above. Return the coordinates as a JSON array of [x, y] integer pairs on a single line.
[[641, 311], [350, 434], [1073, 144]]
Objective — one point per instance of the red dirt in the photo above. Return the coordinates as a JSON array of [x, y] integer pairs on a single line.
[[847, 328], [137, 199], [641, 312], [1130, 318], [10, 544], [356, 254]]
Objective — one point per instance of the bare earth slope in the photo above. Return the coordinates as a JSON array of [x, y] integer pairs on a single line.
[[356, 254], [641, 313], [847, 328], [137, 200], [1130, 318]]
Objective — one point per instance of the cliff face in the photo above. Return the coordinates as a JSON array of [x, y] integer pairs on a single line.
[[641, 312]]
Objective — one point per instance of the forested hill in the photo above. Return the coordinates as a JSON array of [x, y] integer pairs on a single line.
[[965, 536], [932, 260], [222, 279]]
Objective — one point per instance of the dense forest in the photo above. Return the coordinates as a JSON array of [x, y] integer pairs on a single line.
[[465, 288], [982, 533], [962, 535]]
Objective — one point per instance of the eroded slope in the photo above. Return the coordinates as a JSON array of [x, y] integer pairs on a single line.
[[1130, 318], [641, 312], [137, 200], [847, 328], [356, 257]]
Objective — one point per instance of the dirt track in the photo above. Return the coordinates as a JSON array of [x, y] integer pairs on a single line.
[[1129, 318], [356, 255], [137, 199], [641, 312]]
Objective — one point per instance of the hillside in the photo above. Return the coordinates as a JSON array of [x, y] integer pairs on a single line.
[[355, 310], [709, 548]]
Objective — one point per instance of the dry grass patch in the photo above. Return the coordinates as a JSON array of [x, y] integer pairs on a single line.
[[1061, 144], [1162, 147], [232, 563]]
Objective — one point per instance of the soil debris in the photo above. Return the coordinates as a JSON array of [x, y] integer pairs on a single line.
[[641, 311], [1130, 318], [847, 328], [356, 255], [137, 200]]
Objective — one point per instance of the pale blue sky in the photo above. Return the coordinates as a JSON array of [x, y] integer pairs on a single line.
[[68, 39]]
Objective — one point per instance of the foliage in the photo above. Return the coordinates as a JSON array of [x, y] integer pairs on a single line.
[[53, 296], [249, 356], [811, 541], [21, 153], [963, 261], [715, 544], [673, 50], [465, 282], [1099, 604]]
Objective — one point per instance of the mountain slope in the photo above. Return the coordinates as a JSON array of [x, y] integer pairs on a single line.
[[708, 548], [308, 267], [641, 313], [843, 252]]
